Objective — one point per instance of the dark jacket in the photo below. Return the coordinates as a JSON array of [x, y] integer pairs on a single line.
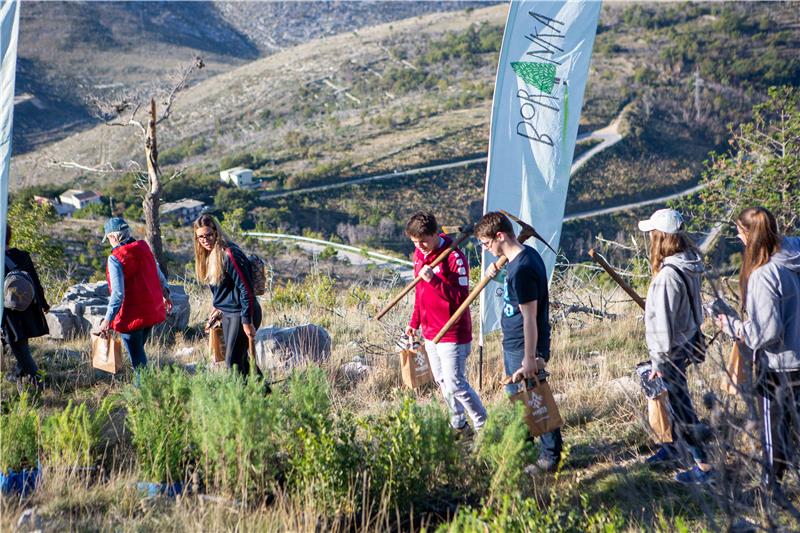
[[235, 294], [21, 325]]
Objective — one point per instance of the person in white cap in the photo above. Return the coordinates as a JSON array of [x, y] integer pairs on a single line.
[[672, 318]]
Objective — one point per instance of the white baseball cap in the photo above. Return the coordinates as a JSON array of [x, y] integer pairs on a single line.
[[666, 220]]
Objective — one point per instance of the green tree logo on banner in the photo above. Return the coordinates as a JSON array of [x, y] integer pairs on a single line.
[[540, 75]]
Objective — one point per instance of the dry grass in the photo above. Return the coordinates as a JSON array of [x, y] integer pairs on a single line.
[[592, 376]]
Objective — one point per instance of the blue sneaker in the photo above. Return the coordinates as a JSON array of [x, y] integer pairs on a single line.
[[694, 476], [665, 454]]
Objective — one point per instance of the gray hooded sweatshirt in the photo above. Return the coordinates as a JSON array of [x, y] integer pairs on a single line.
[[669, 320], [773, 309]]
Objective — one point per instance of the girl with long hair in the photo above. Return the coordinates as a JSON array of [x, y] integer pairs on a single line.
[[769, 282], [672, 318], [223, 266]]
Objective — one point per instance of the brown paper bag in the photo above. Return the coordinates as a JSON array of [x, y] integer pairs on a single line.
[[541, 411], [415, 367], [107, 353], [734, 377], [658, 416], [216, 344]]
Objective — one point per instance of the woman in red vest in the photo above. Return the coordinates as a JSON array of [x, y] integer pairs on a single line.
[[223, 266], [139, 294]]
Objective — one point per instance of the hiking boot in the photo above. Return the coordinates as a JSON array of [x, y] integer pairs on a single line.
[[664, 456], [544, 465], [695, 476], [464, 432]]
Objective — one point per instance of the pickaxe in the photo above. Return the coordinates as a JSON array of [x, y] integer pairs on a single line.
[[466, 233], [526, 233], [600, 260]]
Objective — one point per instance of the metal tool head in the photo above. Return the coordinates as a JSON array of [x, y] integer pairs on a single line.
[[457, 229], [452, 229], [527, 231]]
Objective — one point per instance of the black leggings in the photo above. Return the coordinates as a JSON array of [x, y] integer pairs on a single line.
[[780, 411], [683, 416], [236, 342]]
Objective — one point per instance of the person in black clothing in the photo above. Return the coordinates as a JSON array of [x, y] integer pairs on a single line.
[[525, 321], [19, 326], [225, 268]]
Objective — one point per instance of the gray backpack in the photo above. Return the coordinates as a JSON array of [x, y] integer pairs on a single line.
[[18, 290]]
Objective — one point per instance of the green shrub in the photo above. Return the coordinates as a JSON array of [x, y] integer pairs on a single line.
[[527, 515], [288, 295], [71, 438], [409, 452], [237, 430], [308, 399], [158, 419], [19, 435], [326, 465], [316, 287], [503, 449]]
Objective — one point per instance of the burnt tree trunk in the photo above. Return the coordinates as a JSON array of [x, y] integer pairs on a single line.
[[152, 197]]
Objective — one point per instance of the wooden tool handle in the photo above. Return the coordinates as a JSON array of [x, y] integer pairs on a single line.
[[616, 277], [441, 257], [471, 298]]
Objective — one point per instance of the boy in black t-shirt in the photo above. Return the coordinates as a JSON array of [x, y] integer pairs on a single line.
[[525, 321]]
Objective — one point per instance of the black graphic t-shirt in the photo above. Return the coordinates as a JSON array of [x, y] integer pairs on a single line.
[[526, 281]]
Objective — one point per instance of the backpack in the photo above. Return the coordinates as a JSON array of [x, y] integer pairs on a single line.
[[698, 344], [18, 289], [258, 271]]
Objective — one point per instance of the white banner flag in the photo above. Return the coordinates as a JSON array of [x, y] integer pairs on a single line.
[[541, 76], [9, 29]]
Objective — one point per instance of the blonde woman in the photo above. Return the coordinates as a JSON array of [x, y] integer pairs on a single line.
[[223, 266], [770, 285], [672, 317]]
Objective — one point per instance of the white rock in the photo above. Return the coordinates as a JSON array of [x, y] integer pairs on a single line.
[[278, 348]]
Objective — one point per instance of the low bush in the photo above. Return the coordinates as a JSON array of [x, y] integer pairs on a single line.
[[158, 418], [236, 428], [327, 466], [19, 435], [71, 438], [513, 514], [503, 450], [409, 452]]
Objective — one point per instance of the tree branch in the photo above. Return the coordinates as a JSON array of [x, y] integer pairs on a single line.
[[179, 85]]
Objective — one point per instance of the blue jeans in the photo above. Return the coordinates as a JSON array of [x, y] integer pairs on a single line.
[[448, 364], [552, 442], [134, 345], [684, 418]]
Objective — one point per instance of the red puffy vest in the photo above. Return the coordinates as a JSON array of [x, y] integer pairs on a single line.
[[143, 301]]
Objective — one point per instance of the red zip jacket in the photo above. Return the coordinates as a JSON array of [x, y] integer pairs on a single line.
[[436, 301], [143, 303]]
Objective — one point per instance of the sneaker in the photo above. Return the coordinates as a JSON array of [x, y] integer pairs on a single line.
[[464, 432], [664, 455], [694, 476]]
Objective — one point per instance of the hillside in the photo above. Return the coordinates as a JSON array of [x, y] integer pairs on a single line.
[[418, 91], [71, 50]]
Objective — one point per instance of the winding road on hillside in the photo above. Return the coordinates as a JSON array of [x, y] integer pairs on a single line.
[[609, 136]]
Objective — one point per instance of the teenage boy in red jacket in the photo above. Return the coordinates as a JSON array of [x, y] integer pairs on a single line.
[[441, 292]]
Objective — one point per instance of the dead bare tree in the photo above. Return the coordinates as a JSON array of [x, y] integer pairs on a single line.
[[121, 110]]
